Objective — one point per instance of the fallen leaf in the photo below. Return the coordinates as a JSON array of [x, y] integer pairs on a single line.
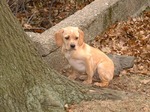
[[145, 81]]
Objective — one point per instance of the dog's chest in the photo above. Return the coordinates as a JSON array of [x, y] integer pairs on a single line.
[[77, 64]]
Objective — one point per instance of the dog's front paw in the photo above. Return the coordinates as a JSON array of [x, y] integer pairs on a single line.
[[87, 82], [102, 84], [72, 77]]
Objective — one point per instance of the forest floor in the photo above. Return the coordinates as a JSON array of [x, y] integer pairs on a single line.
[[130, 37], [39, 15], [139, 101]]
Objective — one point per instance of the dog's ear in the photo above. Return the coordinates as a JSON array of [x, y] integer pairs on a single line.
[[81, 37], [59, 37]]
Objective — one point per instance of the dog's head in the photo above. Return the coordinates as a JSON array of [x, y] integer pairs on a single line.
[[70, 38]]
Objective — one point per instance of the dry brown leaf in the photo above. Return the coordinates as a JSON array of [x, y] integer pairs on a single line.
[[145, 81], [27, 26]]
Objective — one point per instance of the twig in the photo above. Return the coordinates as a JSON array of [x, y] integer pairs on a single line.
[[30, 18], [44, 55], [50, 9]]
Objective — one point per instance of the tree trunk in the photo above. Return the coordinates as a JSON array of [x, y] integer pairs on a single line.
[[26, 82]]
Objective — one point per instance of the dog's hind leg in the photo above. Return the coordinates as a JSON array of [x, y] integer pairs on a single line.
[[105, 74]]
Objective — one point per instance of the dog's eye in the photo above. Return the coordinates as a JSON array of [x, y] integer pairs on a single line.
[[76, 38], [67, 38]]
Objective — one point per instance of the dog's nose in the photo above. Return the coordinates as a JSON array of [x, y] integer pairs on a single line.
[[72, 46]]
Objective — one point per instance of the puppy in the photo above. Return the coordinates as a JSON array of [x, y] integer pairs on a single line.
[[84, 58]]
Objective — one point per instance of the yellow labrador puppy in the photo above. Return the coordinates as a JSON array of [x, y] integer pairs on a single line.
[[84, 58]]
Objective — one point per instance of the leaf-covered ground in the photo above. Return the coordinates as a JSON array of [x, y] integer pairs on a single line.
[[39, 15], [131, 37]]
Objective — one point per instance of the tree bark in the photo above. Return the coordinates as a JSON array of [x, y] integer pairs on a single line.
[[27, 84]]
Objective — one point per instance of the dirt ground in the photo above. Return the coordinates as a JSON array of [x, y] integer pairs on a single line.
[[139, 101]]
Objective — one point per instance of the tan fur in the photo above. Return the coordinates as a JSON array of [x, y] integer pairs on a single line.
[[84, 58]]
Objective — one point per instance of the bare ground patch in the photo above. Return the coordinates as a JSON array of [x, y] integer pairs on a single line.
[[137, 101]]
